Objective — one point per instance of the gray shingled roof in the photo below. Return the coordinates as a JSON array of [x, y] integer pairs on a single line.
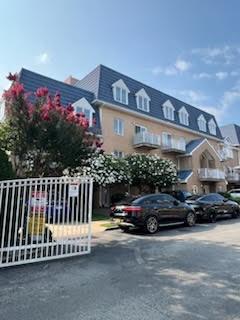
[[183, 175], [232, 131], [100, 81], [69, 94]]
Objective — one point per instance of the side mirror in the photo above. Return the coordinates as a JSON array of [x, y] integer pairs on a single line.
[[176, 202], [225, 200]]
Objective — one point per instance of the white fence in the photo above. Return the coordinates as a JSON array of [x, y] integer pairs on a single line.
[[43, 219]]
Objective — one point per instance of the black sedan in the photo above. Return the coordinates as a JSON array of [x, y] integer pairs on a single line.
[[153, 210], [212, 205]]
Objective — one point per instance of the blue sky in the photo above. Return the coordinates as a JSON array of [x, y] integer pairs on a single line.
[[188, 48]]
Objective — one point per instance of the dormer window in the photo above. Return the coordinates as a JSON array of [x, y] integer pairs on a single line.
[[202, 123], [183, 116], [168, 110], [120, 91], [212, 127], [143, 100], [83, 106]]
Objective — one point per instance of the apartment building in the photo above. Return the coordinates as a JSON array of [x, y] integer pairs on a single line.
[[133, 117], [231, 134]]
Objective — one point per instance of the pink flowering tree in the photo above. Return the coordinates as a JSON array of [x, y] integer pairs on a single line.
[[43, 136]]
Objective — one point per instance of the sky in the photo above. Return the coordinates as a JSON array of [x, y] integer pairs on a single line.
[[189, 49]]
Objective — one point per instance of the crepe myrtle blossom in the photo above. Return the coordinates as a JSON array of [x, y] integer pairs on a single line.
[[104, 168], [151, 170], [39, 131], [134, 169]]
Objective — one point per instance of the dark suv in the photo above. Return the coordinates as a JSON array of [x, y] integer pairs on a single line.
[[153, 210], [212, 205]]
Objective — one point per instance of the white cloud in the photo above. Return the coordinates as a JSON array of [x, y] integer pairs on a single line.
[[43, 58], [202, 75], [225, 54], [191, 96], [221, 75], [171, 70], [182, 65]]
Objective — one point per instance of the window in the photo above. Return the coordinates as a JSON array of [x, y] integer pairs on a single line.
[[212, 127], [119, 127], [168, 110], [120, 92], [118, 154], [183, 116], [83, 106], [85, 111], [202, 123], [166, 198], [143, 100], [166, 139], [140, 129]]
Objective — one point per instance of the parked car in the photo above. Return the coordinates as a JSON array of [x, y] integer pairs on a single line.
[[212, 205], [153, 210], [234, 193]]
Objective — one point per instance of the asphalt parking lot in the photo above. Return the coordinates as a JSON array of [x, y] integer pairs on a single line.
[[179, 273]]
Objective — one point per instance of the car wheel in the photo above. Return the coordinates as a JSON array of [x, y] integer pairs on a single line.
[[212, 217], [235, 214], [151, 225], [190, 219]]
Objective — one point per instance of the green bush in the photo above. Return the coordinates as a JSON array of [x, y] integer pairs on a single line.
[[6, 170]]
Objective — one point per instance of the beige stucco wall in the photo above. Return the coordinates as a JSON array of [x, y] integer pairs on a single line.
[[124, 143]]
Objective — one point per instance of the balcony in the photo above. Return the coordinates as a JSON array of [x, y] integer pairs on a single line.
[[226, 153], [146, 140], [174, 145], [206, 174], [233, 177]]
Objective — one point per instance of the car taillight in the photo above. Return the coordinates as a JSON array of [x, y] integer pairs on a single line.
[[132, 210]]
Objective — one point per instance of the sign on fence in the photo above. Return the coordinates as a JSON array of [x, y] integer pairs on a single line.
[[42, 219]]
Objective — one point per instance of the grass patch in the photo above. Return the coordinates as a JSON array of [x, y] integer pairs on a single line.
[[109, 225], [99, 217]]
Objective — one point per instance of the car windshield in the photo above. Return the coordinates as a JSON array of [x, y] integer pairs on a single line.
[[194, 197]]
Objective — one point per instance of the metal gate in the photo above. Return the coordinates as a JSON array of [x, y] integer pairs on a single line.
[[45, 218]]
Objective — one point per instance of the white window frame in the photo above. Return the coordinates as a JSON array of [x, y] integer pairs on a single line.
[[164, 136], [142, 94], [120, 85], [202, 123], [212, 127], [183, 116], [142, 129], [84, 105], [117, 128], [168, 110]]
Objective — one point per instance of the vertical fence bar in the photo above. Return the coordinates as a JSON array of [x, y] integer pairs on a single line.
[[64, 215], [27, 218], [85, 212], [17, 219], [49, 215], [22, 220], [4, 217], [32, 216], [10, 222], [60, 206], [90, 213]]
